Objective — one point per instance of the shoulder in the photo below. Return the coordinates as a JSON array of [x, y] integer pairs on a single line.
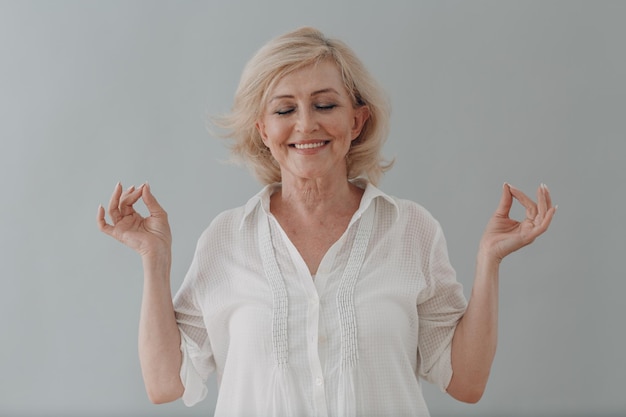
[[224, 227], [410, 224], [411, 209], [400, 215], [402, 210], [413, 215], [237, 221], [238, 225]]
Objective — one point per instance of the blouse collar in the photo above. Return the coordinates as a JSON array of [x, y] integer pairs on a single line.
[[262, 199]]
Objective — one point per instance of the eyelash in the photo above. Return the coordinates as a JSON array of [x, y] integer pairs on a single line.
[[325, 107]]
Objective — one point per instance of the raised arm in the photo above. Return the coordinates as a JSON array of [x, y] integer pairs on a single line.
[[475, 338], [159, 338]]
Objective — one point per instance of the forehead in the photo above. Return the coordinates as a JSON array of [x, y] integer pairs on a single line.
[[306, 80]]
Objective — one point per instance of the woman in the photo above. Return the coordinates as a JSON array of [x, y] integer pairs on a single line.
[[322, 295]]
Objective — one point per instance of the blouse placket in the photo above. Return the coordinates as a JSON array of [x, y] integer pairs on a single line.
[[344, 301]]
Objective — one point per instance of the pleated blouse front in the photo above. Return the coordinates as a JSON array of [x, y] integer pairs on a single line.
[[355, 341]]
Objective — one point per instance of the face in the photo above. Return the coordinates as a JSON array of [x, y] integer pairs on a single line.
[[309, 123]]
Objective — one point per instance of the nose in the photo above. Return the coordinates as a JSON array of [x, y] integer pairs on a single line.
[[307, 121]]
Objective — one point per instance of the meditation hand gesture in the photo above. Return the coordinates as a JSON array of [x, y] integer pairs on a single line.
[[504, 235], [147, 235]]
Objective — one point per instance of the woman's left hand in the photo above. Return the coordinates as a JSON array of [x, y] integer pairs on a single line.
[[504, 235]]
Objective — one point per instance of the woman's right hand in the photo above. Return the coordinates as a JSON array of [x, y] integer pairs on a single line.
[[159, 337], [147, 235]]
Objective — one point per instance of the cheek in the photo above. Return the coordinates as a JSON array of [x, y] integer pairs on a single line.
[[274, 131], [342, 124]]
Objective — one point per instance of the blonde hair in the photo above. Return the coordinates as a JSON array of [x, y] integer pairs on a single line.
[[281, 56]]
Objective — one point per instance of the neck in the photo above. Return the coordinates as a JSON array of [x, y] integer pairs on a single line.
[[318, 196]]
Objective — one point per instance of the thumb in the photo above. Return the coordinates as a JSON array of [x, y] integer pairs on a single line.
[[506, 201], [151, 202]]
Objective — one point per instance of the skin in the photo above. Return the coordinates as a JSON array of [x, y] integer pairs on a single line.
[[308, 125], [476, 334], [311, 107], [159, 338]]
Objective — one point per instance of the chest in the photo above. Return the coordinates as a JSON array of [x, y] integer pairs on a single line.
[[284, 314], [314, 238]]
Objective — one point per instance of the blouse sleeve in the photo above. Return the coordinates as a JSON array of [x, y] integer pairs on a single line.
[[439, 312], [197, 356]]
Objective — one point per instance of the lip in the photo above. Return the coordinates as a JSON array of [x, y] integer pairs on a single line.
[[309, 144]]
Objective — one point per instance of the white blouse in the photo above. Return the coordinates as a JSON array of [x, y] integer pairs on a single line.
[[355, 341]]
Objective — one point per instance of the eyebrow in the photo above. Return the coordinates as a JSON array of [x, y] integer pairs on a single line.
[[314, 93]]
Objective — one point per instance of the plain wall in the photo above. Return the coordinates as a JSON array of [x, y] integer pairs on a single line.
[[95, 92]]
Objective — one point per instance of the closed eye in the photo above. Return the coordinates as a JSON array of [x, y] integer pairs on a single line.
[[325, 106], [283, 112]]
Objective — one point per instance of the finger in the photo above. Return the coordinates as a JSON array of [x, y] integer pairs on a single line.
[[544, 222], [114, 202], [122, 206], [542, 204], [541, 227], [126, 192], [544, 200], [506, 201], [547, 196], [100, 220], [151, 202], [550, 210], [129, 198], [548, 219], [527, 202]]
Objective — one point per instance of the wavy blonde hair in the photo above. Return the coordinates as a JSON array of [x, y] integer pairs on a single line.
[[281, 56]]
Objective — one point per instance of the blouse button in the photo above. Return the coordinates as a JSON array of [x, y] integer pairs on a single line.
[[318, 381]]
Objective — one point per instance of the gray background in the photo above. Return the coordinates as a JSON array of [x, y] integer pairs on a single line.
[[483, 92]]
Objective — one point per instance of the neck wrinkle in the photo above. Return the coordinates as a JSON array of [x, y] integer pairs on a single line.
[[312, 197]]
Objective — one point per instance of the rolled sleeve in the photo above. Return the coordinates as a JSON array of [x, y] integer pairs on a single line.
[[197, 355], [194, 372], [439, 314]]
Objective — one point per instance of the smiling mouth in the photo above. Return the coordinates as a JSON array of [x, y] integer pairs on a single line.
[[309, 145]]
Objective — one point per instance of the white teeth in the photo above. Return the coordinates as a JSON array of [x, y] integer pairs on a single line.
[[309, 145]]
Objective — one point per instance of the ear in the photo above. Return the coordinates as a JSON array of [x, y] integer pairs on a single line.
[[260, 127], [361, 114]]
